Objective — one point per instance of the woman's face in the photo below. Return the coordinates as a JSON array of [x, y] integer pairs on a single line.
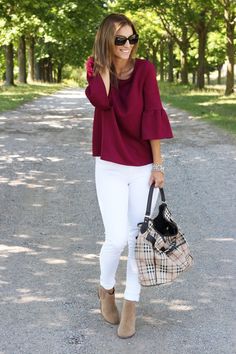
[[124, 51]]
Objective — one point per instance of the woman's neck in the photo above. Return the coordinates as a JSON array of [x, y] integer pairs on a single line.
[[121, 66]]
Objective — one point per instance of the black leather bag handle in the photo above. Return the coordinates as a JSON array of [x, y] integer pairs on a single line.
[[149, 202]]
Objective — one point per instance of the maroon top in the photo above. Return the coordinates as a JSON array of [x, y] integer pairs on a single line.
[[130, 116]]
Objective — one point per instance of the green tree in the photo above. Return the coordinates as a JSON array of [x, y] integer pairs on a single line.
[[7, 35], [229, 10], [203, 18], [174, 16], [153, 38], [19, 22], [56, 33], [216, 52]]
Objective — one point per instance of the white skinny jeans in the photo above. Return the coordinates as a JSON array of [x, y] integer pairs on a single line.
[[122, 193]]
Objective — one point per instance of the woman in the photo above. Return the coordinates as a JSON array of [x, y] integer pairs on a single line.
[[129, 122]]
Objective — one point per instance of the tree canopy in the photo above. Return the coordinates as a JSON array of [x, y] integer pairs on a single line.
[[60, 32], [181, 37]]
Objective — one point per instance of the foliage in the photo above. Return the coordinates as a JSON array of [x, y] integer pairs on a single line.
[[63, 30], [193, 25], [216, 49], [75, 74]]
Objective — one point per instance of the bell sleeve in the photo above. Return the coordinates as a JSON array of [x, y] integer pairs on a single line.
[[155, 122], [96, 91]]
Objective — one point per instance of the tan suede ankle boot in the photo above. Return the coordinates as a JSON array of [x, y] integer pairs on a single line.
[[108, 306], [126, 328]]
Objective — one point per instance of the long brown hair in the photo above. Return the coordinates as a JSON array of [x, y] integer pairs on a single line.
[[104, 42]]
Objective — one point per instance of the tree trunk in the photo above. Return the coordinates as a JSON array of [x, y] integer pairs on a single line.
[[184, 68], [230, 24], [9, 55], [219, 68], [37, 71], [43, 74], [47, 69], [170, 60], [40, 70], [50, 69], [161, 61], [22, 61], [202, 40], [59, 73], [31, 59], [208, 78], [54, 73], [194, 78], [154, 56], [184, 56], [177, 75]]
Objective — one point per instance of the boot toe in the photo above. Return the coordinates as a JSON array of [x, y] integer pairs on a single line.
[[126, 328]]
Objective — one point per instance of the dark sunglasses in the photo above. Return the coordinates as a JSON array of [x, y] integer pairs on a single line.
[[121, 40]]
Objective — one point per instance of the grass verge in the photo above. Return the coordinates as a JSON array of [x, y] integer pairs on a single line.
[[209, 104], [13, 96]]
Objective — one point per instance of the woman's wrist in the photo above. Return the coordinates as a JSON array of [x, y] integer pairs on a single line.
[[158, 167]]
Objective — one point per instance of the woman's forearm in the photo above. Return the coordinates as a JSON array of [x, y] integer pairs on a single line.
[[156, 151], [105, 75]]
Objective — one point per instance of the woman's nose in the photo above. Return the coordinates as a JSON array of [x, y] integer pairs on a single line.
[[127, 44]]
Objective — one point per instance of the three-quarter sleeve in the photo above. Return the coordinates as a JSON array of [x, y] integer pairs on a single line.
[[155, 122], [96, 90]]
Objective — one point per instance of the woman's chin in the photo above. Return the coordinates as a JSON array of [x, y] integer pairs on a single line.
[[123, 56]]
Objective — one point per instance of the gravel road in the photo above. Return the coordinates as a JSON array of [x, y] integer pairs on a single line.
[[51, 234]]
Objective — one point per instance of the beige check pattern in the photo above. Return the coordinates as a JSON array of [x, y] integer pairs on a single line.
[[165, 260]]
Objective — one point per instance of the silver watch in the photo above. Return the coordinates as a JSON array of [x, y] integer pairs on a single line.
[[158, 167]]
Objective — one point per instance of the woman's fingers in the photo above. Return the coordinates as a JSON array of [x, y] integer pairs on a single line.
[[157, 178]]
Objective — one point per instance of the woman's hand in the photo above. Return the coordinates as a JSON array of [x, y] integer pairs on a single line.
[[89, 66], [157, 177]]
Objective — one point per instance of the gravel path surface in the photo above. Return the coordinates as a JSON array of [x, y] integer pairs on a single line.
[[51, 234]]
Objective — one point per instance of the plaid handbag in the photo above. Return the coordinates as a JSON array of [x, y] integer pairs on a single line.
[[161, 250]]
